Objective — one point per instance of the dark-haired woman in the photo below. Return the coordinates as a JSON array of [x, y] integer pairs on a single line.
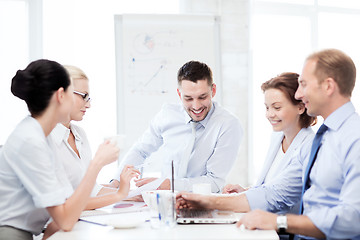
[[32, 186]]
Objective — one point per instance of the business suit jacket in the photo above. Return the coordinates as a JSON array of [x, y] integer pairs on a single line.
[[304, 135]]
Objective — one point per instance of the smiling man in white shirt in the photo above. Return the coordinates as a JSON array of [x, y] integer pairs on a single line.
[[204, 154]]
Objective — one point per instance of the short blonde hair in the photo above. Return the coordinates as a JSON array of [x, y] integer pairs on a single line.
[[75, 72], [337, 65]]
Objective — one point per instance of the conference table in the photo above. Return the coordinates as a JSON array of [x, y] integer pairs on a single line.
[[99, 226]]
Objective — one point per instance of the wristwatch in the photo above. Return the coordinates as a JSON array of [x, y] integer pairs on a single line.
[[281, 223]]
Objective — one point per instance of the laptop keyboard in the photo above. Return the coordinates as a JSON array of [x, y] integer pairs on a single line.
[[195, 213]]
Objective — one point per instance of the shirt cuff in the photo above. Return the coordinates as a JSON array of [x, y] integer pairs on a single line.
[[51, 199], [182, 185], [256, 198], [323, 219]]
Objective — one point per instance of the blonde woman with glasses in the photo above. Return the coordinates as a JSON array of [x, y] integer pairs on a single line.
[[72, 147]]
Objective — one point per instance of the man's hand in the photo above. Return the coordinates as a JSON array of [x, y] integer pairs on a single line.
[[297, 224], [191, 200], [142, 181], [258, 219], [233, 188], [165, 185]]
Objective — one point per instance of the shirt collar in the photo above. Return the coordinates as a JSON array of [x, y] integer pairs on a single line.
[[336, 119], [75, 133], [60, 133], [205, 120]]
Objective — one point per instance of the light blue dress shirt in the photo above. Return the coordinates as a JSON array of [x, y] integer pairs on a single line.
[[30, 178], [282, 193], [333, 200], [215, 149]]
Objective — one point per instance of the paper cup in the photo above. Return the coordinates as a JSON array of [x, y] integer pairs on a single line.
[[118, 140], [202, 188]]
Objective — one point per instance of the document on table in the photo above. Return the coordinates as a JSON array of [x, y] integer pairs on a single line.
[[124, 220], [119, 207], [126, 206], [150, 186]]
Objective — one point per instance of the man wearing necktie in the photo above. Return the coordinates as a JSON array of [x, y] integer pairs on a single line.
[[200, 136], [331, 175]]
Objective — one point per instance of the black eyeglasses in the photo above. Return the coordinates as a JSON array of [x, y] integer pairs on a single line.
[[84, 96]]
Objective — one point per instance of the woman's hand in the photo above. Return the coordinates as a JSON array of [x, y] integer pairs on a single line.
[[106, 153], [128, 173]]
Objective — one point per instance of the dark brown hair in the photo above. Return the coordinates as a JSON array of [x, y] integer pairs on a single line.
[[37, 83], [194, 71], [288, 83]]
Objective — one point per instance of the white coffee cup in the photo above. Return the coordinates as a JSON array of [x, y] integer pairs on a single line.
[[118, 140], [202, 188]]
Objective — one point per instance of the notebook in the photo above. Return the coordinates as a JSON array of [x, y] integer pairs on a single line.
[[186, 216]]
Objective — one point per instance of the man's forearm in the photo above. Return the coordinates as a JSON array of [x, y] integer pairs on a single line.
[[238, 203], [303, 225]]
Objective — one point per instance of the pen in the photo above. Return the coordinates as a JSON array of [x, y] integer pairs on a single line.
[[172, 175], [100, 224], [140, 167], [158, 204], [172, 188], [141, 172]]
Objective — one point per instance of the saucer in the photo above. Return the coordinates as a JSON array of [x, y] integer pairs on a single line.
[[125, 223]]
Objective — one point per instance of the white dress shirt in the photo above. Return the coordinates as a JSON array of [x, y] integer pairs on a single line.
[[215, 149], [74, 165], [31, 179], [276, 166]]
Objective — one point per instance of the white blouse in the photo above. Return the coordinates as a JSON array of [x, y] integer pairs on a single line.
[[31, 179], [276, 165], [74, 165]]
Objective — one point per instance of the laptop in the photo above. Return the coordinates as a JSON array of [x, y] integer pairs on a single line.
[[188, 216]]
